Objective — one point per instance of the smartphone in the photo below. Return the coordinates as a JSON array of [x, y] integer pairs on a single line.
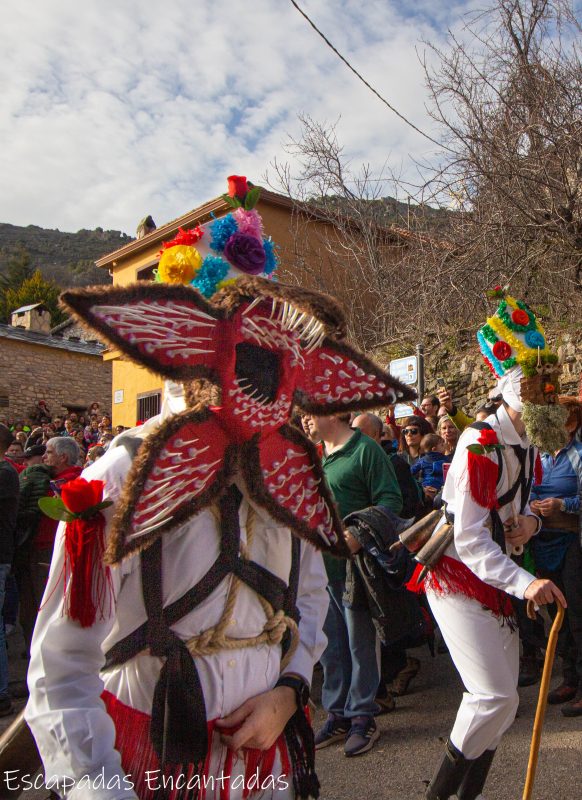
[[441, 382]]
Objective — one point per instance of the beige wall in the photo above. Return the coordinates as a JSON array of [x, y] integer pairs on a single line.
[[132, 380], [32, 372]]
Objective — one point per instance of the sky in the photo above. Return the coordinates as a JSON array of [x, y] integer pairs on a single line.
[[114, 109]]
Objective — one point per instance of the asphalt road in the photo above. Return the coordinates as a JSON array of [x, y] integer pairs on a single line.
[[410, 745]]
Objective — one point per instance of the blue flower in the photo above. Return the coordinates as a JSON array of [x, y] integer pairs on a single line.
[[212, 271], [534, 339], [221, 230], [272, 261]]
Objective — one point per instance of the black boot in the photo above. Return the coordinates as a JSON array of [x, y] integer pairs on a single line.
[[475, 777], [449, 775]]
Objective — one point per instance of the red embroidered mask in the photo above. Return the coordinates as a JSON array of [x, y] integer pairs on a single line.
[[268, 348]]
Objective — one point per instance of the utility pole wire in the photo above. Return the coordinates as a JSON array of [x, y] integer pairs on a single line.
[[364, 81]]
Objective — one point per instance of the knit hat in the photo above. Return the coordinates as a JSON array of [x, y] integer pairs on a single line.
[[211, 256]]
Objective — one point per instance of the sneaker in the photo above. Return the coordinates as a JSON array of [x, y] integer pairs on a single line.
[[401, 682], [334, 730], [386, 702], [6, 707], [363, 733], [562, 694]]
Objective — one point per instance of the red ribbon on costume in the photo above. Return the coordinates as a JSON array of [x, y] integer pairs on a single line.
[[90, 580], [482, 471]]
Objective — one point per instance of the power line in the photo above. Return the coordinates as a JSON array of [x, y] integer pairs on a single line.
[[364, 81]]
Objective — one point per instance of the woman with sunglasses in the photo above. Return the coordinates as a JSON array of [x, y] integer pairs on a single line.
[[413, 430]]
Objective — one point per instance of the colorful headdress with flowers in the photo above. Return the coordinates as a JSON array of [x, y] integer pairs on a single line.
[[513, 337], [211, 256]]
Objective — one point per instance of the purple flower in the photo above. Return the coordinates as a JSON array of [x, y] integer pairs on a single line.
[[246, 253]]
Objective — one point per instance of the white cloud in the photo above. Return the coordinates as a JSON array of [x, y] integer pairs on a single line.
[[110, 110]]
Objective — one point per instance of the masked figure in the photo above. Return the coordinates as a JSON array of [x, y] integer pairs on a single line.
[[175, 645]]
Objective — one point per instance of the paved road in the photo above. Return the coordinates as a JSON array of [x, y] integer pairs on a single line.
[[410, 746]]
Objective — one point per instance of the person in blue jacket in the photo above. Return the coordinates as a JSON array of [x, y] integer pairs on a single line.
[[557, 550], [429, 467]]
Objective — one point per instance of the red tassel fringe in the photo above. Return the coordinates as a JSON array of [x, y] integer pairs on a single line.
[[538, 471], [482, 480], [453, 577], [413, 584], [132, 740], [90, 590]]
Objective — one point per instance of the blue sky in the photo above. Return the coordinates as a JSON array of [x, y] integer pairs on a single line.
[[113, 110]]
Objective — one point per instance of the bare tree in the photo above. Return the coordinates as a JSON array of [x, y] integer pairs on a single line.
[[508, 99], [374, 247]]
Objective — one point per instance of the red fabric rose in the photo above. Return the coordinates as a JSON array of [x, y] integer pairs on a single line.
[[237, 186], [487, 437], [501, 350], [79, 495], [520, 317]]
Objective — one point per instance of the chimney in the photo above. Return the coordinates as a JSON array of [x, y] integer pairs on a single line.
[[35, 317]]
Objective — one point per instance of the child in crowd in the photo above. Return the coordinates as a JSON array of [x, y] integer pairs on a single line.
[[430, 465]]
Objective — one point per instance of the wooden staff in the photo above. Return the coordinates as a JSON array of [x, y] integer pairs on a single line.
[[543, 696], [17, 752]]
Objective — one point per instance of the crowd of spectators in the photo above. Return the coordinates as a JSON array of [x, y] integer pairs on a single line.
[[38, 454], [92, 430]]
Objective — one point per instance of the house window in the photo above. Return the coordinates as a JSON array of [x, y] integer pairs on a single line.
[[147, 273], [148, 405]]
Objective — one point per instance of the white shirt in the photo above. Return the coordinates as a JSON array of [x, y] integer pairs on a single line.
[[473, 544], [74, 733]]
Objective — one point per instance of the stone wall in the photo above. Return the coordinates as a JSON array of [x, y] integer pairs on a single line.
[[470, 381], [32, 372]]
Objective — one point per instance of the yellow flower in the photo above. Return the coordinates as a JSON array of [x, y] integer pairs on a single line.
[[179, 264]]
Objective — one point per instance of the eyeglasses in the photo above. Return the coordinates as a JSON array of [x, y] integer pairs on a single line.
[[410, 431]]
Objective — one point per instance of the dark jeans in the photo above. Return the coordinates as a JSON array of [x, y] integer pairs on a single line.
[[31, 569], [350, 665], [569, 579]]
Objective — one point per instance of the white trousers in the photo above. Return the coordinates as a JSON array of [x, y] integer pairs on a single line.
[[486, 655]]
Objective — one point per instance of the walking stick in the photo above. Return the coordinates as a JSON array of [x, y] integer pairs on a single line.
[[543, 696]]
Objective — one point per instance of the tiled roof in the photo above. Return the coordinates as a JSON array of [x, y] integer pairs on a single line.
[[45, 340]]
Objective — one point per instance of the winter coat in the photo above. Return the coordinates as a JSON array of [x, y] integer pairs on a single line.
[[376, 577], [34, 484]]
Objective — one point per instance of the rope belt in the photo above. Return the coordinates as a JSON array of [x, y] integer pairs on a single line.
[[214, 639]]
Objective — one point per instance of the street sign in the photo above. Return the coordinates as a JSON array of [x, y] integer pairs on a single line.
[[405, 369]]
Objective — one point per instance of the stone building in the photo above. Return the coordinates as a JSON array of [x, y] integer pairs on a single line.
[[58, 366]]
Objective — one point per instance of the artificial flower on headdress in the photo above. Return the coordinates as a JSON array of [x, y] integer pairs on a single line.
[[219, 252]]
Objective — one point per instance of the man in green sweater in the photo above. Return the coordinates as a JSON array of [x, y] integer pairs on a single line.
[[360, 475]]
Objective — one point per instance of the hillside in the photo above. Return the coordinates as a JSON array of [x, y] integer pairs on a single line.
[[389, 211], [67, 258]]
